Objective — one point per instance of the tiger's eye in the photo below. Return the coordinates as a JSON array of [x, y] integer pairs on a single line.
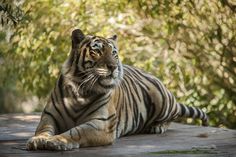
[[114, 52]]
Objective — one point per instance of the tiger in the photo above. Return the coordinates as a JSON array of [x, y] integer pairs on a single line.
[[97, 99]]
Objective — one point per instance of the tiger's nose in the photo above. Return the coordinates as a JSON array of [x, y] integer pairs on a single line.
[[111, 67]]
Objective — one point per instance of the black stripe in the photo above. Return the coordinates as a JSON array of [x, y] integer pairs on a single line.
[[61, 96], [118, 97], [135, 110], [126, 115], [183, 110], [133, 84], [88, 106], [55, 106], [100, 106], [204, 115], [134, 125], [77, 132], [86, 41], [76, 61], [56, 103], [141, 124], [168, 109], [91, 126], [71, 134], [54, 119], [198, 113], [130, 102], [148, 107], [134, 101], [83, 59], [144, 76], [169, 97], [123, 109], [191, 111], [126, 118], [118, 123], [152, 112], [84, 54], [139, 76], [162, 91], [111, 128], [132, 128], [105, 119], [147, 101], [120, 108]]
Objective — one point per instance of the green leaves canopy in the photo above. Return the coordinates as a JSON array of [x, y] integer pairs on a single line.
[[189, 45]]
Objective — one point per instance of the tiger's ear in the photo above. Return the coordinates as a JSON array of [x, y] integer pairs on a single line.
[[76, 37], [114, 38]]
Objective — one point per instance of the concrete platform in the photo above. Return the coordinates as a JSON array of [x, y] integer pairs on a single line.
[[180, 140]]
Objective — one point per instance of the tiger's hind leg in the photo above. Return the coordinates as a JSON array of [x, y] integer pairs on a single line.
[[158, 129]]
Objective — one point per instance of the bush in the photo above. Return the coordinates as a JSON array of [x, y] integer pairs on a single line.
[[189, 45]]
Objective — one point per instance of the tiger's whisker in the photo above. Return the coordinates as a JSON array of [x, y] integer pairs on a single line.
[[85, 81], [94, 81]]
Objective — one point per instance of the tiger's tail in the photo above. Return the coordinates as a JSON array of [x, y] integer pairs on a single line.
[[192, 112]]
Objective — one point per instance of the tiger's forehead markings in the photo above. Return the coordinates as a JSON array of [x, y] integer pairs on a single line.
[[99, 43], [96, 44]]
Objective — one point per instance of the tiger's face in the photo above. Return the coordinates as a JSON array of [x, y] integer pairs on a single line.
[[95, 62]]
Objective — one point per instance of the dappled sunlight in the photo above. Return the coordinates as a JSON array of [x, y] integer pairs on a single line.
[[18, 126], [24, 135]]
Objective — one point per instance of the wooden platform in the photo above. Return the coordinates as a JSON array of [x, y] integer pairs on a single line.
[[179, 140]]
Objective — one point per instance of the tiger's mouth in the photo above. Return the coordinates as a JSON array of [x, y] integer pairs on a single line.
[[109, 80]]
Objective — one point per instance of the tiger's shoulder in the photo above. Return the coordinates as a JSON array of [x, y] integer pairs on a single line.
[[136, 73]]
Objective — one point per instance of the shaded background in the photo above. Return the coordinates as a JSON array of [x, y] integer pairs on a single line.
[[189, 44]]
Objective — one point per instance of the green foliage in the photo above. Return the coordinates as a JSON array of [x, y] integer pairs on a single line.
[[189, 45], [10, 13]]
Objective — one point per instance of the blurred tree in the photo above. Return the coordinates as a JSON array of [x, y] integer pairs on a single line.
[[189, 45], [200, 39], [10, 12], [10, 15]]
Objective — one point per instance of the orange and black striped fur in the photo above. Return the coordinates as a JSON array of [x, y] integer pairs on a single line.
[[97, 100]]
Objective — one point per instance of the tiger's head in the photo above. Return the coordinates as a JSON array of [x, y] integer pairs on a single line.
[[93, 63]]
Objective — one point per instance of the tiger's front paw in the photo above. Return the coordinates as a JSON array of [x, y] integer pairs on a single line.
[[36, 142], [59, 142]]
